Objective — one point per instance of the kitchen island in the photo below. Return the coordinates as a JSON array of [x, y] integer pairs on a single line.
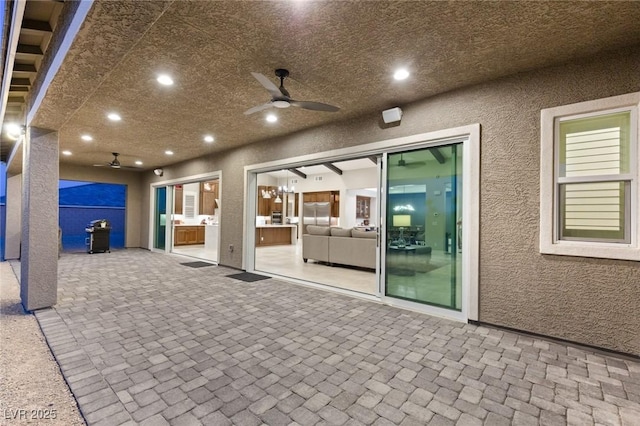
[[274, 235]]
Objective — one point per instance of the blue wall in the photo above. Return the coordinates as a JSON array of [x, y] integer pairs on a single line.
[[74, 220], [83, 202], [3, 223]]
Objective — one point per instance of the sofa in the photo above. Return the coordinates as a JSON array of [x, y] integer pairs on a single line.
[[333, 245]]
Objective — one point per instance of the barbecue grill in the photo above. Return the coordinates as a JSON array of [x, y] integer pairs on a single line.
[[98, 232]]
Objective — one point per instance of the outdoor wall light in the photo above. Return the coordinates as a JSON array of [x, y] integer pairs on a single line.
[[158, 172], [14, 131], [392, 115]]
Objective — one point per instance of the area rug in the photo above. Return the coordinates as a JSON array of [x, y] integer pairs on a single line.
[[411, 268], [197, 264], [248, 277]]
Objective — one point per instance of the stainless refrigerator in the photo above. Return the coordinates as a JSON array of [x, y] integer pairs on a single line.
[[316, 214]]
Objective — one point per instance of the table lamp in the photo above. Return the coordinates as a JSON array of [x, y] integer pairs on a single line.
[[401, 221]]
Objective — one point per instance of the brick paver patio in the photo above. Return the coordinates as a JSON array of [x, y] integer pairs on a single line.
[[142, 339]]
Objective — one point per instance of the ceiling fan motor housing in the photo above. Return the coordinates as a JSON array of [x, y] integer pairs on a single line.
[[282, 73], [115, 163]]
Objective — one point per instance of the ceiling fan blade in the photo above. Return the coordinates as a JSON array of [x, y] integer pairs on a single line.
[[314, 106], [102, 165], [268, 84], [258, 108]]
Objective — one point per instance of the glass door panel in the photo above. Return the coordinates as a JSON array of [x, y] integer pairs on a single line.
[[160, 218], [423, 211]]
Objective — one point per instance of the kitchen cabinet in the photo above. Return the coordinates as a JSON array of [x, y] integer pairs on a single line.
[[317, 197], [335, 204], [363, 207], [267, 205], [188, 234], [208, 196], [177, 203]]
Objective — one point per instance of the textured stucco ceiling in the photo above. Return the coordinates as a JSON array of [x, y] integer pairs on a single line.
[[341, 53]]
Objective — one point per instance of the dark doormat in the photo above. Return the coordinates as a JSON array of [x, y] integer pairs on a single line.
[[197, 264], [248, 277]]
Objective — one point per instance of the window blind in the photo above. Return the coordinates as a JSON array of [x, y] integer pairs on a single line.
[[593, 151]]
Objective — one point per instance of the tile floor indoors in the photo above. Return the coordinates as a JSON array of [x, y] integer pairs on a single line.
[[144, 340], [286, 260], [434, 286]]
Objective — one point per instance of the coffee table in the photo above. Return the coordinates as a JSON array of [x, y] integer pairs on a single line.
[[399, 270]]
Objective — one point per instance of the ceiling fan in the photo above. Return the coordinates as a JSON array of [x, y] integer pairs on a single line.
[[115, 163], [403, 163], [280, 97]]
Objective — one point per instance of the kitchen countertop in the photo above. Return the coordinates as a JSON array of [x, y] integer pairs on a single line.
[[284, 225]]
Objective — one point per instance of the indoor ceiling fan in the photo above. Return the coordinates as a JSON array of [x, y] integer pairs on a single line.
[[115, 163], [280, 97]]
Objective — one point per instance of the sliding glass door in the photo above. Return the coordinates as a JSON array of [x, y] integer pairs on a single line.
[[194, 219], [185, 217], [423, 248]]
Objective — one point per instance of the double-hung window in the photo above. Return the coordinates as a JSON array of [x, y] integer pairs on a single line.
[[589, 179]]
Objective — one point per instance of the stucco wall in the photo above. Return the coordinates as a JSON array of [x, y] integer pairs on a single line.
[[584, 300], [134, 211], [13, 232]]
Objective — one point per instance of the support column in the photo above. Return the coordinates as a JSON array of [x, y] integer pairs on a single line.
[[13, 225], [39, 253]]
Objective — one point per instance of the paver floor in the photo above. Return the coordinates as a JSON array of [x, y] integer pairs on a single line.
[[142, 339]]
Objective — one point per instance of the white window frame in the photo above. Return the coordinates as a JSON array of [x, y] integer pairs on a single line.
[[549, 198]]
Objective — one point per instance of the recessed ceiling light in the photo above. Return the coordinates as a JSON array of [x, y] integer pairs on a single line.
[[165, 80], [66, 153], [138, 163], [114, 117], [168, 152], [271, 118], [87, 138], [208, 138], [401, 74]]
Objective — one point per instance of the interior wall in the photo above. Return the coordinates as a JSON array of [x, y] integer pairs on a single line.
[[592, 301], [134, 211]]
